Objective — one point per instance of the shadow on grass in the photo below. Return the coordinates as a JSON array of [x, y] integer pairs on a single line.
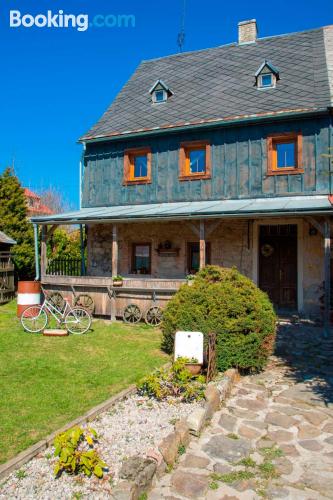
[[308, 356]]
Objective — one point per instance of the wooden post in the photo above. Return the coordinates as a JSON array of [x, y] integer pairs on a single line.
[[202, 245], [43, 254], [114, 251], [327, 275], [83, 263]]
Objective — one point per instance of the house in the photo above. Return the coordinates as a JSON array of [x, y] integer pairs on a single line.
[[35, 205], [214, 156], [7, 286]]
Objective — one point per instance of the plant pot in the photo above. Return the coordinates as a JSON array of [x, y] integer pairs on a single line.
[[117, 283], [193, 368]]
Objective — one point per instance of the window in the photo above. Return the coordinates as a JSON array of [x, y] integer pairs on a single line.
[[266, 75], [284, 153], [193, 256], [137, 166], [159, 96], [160, 92], [266, 80], [141, 258], [194, 160]]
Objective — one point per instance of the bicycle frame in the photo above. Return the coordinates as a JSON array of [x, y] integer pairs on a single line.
[[57, 315]]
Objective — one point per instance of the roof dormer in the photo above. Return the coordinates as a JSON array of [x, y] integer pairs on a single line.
[[266, 76], [160, 92]]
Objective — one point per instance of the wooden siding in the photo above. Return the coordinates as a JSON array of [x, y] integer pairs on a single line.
[[239, 166]]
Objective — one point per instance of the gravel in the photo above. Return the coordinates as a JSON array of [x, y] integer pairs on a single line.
[[131, 427]]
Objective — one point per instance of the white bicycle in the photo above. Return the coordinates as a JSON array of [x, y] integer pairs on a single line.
[[76, 320]]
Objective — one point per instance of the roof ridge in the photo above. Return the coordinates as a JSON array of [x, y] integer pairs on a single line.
[[236, 44]]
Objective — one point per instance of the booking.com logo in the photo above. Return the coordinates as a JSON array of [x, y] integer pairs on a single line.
[[61, 20]]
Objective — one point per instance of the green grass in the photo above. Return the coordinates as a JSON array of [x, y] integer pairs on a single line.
[[45, 382]]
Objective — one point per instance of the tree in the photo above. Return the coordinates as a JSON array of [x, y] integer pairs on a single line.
[[14, 222]]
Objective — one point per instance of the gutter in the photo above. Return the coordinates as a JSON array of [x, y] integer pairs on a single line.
[[233, 121]]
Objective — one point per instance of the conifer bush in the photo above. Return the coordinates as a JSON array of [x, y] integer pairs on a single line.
[[224, 301]]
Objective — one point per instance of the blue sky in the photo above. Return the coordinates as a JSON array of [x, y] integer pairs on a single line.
[[55, 83]]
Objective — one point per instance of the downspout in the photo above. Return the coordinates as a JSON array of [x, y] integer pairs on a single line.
[[37, 268], [81, 175]]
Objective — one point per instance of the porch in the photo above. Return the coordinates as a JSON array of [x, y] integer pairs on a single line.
[[282, 244]]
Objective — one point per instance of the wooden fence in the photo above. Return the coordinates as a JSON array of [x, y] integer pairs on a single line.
[[7, 284], [65, 267]]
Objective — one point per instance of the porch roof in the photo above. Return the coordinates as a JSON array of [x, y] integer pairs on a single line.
[[245, 208]]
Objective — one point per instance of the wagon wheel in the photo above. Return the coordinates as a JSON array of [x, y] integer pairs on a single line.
[[154, 316], [57, 300], [85, 301], [132, 314]]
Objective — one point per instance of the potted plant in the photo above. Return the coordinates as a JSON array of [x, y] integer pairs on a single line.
[[193, 366], [190, 279], [117, 280]]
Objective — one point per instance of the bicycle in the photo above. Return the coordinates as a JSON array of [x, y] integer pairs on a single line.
[[76, 319]]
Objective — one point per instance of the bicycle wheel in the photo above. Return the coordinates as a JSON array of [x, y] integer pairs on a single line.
[[78, 321], [34, 319]]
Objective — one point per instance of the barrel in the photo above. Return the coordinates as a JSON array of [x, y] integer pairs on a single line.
[[28, 294]]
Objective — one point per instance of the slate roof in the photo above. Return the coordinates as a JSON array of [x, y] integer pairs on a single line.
[[284, 205], [6, 239], [217, 84]]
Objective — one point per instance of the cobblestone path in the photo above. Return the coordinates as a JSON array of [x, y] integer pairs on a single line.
[[274, 438]]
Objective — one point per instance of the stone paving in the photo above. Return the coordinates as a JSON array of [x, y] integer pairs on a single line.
[[274, 438]]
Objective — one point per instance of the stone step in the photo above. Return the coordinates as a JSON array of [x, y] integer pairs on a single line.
[[55, 333]]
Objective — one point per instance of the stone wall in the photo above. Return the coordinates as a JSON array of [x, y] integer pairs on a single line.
[[231, 243]]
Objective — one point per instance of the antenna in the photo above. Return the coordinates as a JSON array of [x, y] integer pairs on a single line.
[[181, 34]]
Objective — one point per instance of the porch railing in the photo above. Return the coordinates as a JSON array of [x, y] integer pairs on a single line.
[[66, 267]]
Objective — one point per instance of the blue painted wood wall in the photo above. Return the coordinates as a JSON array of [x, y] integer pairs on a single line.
[[239, 166]]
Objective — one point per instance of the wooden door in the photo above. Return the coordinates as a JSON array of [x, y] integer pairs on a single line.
[[278, 264]]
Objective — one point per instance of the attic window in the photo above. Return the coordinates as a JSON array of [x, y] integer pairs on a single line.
[[266, 80], [266, 76], [160, 92], [159, 96]]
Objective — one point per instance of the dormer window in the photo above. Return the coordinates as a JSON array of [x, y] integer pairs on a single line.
[[266, 80], [266, 76], [160, 92], [159, 96]]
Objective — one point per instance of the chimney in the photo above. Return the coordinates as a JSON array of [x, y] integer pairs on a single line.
[[247, 31]]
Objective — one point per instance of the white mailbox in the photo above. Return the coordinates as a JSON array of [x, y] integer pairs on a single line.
[[189, 345]]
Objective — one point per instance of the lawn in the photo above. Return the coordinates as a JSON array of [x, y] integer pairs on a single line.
[[46, 382]]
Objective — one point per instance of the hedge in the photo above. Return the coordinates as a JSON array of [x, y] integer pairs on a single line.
[[224, 301]]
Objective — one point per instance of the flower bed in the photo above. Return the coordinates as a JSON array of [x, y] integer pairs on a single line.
[[131, 427]]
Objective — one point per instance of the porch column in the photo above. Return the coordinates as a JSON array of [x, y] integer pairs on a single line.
[[202, 244], [43, 254], [327, 275], [83, 263], [114, 250]]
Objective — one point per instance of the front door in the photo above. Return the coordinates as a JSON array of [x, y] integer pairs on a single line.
[[278, 264]]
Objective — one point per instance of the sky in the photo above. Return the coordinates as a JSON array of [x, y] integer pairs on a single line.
[[56, 82]]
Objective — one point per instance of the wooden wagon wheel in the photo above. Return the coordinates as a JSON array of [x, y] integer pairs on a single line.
[[132, 314], [57, 300], [85, 301], [154, 316]]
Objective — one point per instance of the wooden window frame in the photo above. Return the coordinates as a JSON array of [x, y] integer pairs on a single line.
[[208, 253], [184, 163], [134, 245], [129, 156], [272, 140]]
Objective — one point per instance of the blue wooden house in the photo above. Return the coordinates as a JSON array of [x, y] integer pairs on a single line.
[[217, 156]]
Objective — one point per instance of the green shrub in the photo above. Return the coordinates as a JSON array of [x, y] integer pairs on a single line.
[[75, 449], [224, 301], [175, 381]]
